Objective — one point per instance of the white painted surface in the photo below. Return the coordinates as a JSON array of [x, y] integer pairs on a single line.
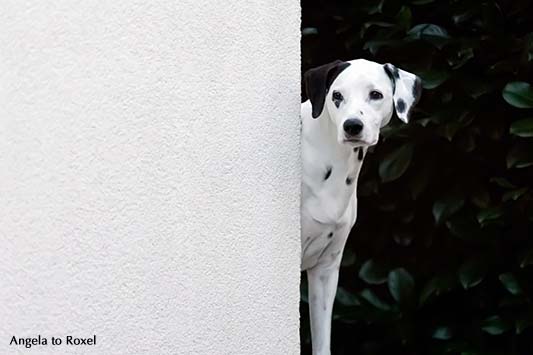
[[149, 175]]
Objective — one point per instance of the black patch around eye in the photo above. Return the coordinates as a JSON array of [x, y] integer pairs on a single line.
[[349, 180], [330, 235], [337, 98], [328, 174], [356, 149], [400, 106]]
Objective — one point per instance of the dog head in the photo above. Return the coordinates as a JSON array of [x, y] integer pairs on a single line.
[[360, 97]]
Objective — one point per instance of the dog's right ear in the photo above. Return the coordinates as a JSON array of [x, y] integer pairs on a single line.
[[317, 82], [406, 88]]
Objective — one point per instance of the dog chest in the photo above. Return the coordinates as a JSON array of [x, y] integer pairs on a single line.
[[324, 242], [328, 184]]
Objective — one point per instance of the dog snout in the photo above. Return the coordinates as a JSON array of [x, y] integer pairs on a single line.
[[353, 126]]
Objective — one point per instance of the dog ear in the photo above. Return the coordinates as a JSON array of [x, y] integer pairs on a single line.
[[317, 82], [407, 88]]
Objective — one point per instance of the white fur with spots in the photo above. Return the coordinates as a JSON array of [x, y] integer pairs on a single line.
[[331, 165]]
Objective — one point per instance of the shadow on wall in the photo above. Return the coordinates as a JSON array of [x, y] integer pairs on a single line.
[[445, 203]]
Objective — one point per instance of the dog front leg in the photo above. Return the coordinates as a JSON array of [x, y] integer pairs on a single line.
[[322, 289]]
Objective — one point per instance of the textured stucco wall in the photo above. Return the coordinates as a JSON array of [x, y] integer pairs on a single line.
[[149, 175]]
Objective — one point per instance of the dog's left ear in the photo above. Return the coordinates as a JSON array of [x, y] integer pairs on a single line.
[[317, 82], [406, 88]]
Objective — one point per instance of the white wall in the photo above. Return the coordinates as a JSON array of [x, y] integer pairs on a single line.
[[149, 175]]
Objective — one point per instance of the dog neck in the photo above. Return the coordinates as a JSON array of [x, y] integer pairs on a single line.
[[331, 169], [351, 156], [326, 130]]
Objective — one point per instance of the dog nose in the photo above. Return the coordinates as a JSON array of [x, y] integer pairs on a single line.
[[353, 126]]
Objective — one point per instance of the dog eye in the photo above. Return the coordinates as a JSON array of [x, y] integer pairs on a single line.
[[337, 96], [375, 95]]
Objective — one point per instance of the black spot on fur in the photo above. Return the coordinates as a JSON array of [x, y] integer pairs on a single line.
[[388, 71], [400, 106], [395, 73], [417, 89], [328, 173], [349, 180], [330, 235], [361, 154]]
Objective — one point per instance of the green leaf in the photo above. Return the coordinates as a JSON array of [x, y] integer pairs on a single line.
[[464, 226], [511, 301], [423, 121], [437, 286], [401, 286], [449, 130], [403, 18], [477, 88], [530, 47], [430, 33], [446, 207], [527, 258], [346, 298], [472, 272], [442, 333], [376, 7], [433, 79], [348, 258], [428, 30], [370, 24], [522, 324], [369, 296], [518, 94], [489, 214], [510, 282], [480, 196], [461, 57], [309, 31], [375, 45], [495, 325], [396, 163], [522, 128], [524, 164], [520, 156], [514, 194], [373, 273], [502, 182]]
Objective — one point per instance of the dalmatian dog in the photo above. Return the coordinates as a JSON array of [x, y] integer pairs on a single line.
[[349, 102]]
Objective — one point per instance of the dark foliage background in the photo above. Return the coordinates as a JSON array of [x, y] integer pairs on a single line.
[[441, 258]]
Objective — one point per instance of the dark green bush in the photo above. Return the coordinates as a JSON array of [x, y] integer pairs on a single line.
[[441, 258]]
